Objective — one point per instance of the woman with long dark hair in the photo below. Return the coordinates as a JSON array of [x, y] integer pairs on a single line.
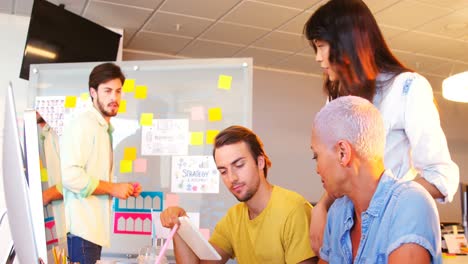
[[357, 61]]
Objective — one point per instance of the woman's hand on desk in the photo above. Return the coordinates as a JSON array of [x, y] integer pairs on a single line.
[[170, 216]]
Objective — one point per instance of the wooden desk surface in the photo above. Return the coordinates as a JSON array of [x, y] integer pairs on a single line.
[[455, 260]]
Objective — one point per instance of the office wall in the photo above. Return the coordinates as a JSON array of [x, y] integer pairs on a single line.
[[453, 118], [284, 107]]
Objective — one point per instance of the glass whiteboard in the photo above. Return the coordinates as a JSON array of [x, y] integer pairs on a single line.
[[191, 91]]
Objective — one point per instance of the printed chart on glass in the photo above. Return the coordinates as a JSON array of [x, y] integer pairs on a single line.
[[55, 109], [168, 118]]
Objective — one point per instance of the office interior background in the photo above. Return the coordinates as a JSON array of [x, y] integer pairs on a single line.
[[429, 36]]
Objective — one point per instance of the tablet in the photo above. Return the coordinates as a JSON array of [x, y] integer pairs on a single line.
[[195, 240]]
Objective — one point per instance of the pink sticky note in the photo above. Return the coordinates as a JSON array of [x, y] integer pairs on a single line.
[[172, 199], [197, 113], [205, 232], [140, 165]]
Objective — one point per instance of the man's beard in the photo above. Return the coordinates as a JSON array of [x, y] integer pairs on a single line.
[[103, 111], [249, 194], [247, 197]]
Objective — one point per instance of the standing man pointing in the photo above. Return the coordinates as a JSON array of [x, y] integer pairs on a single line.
[[87, 162]]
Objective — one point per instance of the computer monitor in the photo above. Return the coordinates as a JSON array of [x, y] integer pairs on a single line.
[[16, 188], [56, 35]]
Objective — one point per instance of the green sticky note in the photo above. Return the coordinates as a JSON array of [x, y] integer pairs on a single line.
[[215, 114], [122, 106], [146, 119], [70, 101], [211, 135], [130, 153], [196, 138], [44, 175], [126, 166], [128, 86], [224, 82], [140, 92]]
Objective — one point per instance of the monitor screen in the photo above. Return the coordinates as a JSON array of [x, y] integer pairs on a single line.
[[464, 203], [57, 35], [16, 188]]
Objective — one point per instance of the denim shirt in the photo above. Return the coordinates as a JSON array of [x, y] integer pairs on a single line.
[[400, 212]]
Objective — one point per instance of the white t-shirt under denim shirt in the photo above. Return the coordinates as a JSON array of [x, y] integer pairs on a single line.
[[415, 142]]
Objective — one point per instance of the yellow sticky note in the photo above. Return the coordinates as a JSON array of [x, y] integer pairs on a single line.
[[224, 82], [128, 86], [140, 91], [126, 166], [44, 175], [130, 153], [211, 135], [70, 101], [215, 114], [122, 106], [146, 119], [196, 138], [84, 96]]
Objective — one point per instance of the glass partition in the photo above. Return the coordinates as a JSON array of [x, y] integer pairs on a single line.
[[169, 114]]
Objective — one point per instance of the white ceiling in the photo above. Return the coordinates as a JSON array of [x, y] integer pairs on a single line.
[[430, 36]]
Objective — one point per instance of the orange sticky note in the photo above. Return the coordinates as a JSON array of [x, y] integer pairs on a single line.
[[215, 114], [139, 165], [122, 106], [224, 82], [130, 153], [128, 86], [146, 119], [126, 166], [70, 101], [140, 92], [211, 135], [44, 175], [196, 138], [84, 96]]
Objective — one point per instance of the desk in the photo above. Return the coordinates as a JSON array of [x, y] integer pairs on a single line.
[[105, 260], [123, 259], [455, 260]]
